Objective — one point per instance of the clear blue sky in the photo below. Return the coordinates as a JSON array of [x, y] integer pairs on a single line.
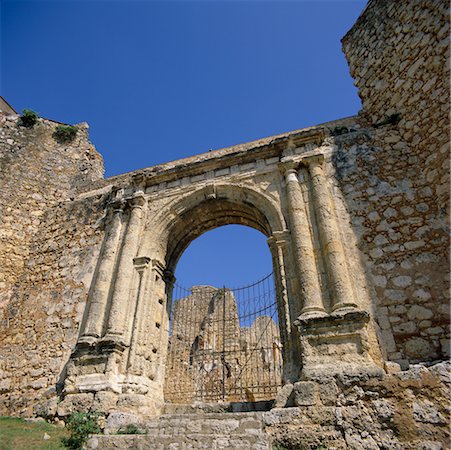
[[158, 81]]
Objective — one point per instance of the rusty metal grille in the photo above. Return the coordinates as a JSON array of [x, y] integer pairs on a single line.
[[224, 344]]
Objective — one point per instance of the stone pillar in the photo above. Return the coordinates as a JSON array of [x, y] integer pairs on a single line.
[[337, 270], [95, 318], [117, 316], [277, 242], [154, 312], [303, 250], [142, 267]]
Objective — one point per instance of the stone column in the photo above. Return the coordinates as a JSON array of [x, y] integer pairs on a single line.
[[337, 271], [303, 250], [93, 326], [277, 242], [169, 280], [117, 316]]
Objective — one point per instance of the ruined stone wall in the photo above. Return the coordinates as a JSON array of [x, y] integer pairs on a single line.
[[47, 252], [213, 357], [395, 176], [35, 173]]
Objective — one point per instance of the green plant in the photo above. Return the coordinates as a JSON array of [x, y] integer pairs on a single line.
[[80, 426], [28, 119], [130, 429], [338, 131], [64, 133], [392, 119], [279, 447]]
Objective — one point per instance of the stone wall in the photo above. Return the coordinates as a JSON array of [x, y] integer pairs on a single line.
[[48, 245], [395, 182], [35, 172], [406, 410]]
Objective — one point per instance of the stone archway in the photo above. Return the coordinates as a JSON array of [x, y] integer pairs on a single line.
[[203, 211], [170, 232], [120, 355]]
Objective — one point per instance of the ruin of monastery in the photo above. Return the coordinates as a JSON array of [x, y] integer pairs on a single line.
[[356, 215]]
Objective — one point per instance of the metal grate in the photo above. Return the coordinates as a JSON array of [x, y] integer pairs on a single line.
[[224, 344]]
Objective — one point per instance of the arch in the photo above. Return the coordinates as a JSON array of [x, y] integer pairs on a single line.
[[211, 207]]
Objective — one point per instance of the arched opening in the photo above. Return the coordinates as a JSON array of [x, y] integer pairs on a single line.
[[224, 341]]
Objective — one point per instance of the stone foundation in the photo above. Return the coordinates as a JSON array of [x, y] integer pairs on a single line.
[[404, 410]]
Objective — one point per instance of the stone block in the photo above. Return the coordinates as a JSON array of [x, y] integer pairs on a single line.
[[46, 409], [131, 400], [104, 401], [75, 403], [418, 348], [328, 392], [392, 367], [118, 420], [305, 393], [284, 396]]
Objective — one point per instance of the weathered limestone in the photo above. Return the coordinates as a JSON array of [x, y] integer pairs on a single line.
[[310, 291], [331, 241], [212, 357], [358, 229], [97, 303], [129, 356], [119, 302], [363, 415], [142, 267]]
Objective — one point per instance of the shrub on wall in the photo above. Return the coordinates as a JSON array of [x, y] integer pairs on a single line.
[[28, 119], [80, 426], [64, 134]]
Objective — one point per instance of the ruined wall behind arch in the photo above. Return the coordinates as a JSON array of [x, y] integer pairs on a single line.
[[396, 182], [49, 240]]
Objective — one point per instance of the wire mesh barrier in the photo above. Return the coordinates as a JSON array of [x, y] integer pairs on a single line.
[[224, 344]]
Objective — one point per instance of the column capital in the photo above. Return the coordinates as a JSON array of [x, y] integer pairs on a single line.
[[288, 167], [313, 160], [137, 200], [279, 238], [117, 205], [158, 266], [141, 262]]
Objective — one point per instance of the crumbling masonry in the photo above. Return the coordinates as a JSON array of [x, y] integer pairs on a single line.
[[356, 213]]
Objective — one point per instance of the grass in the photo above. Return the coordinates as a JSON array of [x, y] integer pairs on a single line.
[[17, 434]]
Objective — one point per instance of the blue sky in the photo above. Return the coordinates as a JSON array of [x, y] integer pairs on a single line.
[[158, 81]]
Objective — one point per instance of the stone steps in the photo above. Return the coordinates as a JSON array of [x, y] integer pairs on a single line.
[[213, 431]]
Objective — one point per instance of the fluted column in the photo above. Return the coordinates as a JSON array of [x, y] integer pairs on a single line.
[[118, 310], [303, 247], [99, 294], [337, 271]]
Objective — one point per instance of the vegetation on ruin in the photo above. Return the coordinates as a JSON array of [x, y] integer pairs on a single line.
[[64, 133], [28, 119], [392, 119], [130, 429], [80, 425], [17, 433], [296, 446]]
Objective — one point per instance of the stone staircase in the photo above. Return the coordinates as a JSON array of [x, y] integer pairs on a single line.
[[212, 431]]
